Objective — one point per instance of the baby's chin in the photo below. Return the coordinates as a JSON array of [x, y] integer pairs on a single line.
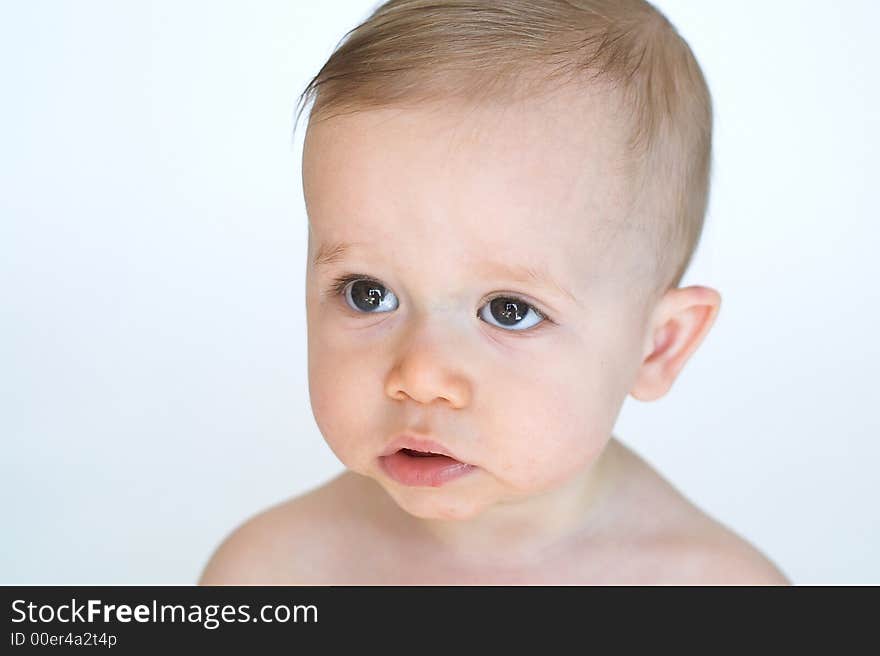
[[435, 503]]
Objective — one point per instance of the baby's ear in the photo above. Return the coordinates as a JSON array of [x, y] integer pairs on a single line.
[[679, 324]]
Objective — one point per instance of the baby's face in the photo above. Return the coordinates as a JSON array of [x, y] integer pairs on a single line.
[[438, 329]]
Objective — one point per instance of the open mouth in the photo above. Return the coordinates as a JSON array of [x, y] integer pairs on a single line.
[[422, 454], [423, 468]]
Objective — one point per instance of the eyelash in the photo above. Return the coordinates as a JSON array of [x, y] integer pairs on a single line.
[[340, 283], [337, 288]]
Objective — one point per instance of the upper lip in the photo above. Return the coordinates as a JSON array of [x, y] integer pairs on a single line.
[[410, 441]]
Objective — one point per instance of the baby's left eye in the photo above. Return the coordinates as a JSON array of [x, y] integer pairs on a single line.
[[510, 311]]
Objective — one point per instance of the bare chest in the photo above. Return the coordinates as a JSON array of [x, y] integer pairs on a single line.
[[618, 565]]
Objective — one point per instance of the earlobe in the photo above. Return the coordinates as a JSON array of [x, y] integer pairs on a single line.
[[681, 322]]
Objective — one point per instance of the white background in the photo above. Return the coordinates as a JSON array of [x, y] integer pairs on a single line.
[[153, 389]]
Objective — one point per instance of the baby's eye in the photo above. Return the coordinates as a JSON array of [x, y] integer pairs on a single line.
[[510, 312], [371, 297], [365, 295]]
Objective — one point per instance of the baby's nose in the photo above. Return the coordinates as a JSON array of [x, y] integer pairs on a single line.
[[431, 365]]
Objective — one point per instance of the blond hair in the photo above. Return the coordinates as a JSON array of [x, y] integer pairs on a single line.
[[414, 51]]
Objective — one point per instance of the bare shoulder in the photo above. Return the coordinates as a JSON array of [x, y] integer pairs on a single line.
[[727, 559], [681, 543], [292, 542]]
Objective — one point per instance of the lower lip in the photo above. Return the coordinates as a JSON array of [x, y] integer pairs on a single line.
[[429, 471]]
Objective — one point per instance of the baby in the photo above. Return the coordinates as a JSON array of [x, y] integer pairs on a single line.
[[502, 198]]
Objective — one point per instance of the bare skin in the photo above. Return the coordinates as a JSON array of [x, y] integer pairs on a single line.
[[348, 531], [444, 209]]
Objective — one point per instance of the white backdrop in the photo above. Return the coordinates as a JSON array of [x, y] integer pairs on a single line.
[[153, 388]]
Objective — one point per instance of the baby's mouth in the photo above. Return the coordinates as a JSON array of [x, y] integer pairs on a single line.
[[423, 454], [423, 468]]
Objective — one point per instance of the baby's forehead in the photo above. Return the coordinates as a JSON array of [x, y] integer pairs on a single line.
[[530, 154], [524, 181], [555, 132]]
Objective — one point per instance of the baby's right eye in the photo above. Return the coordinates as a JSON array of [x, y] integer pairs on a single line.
[[365, 294]]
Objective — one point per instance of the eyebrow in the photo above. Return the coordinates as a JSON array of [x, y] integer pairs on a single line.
[[332, 252]]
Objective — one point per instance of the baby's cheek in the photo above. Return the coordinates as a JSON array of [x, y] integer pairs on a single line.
[[543, 439], [344, 406], [329, 397], [525, 472]]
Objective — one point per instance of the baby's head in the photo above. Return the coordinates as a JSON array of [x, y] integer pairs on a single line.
[[502, 200]]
